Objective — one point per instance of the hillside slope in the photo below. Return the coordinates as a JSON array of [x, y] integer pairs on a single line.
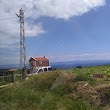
[[57, 90]]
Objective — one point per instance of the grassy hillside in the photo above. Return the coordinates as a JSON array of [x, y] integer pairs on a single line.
[[75, 89]]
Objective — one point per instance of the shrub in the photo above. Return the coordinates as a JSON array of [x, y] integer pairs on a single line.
[[85, 77]]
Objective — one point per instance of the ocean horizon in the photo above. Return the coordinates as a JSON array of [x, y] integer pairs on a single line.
[[64, 65]]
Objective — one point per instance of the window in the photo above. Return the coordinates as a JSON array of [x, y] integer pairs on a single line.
[[40, 71], [45, 69]]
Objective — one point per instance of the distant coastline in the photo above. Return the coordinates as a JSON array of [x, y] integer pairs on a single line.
[[64, 65]]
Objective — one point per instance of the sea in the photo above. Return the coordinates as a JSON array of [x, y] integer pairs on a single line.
[[64, 65]]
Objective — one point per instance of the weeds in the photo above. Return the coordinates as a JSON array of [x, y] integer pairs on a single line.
[[51, 91]]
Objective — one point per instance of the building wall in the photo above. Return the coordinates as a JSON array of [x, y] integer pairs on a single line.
[[42, 63], [34, 63]]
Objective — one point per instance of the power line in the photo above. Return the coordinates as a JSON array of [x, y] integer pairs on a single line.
[[8, 18], [28, 10]]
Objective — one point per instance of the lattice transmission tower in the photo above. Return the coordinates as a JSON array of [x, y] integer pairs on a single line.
[[22, 44]]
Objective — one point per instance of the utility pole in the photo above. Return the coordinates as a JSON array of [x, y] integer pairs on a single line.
[[0, 6], [22, 45]]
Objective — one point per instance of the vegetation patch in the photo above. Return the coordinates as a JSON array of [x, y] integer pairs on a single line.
[[59, 90]]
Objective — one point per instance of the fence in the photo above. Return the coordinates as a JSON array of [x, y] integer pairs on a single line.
[[9, 76]]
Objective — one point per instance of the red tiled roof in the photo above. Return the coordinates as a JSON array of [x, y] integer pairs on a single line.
[[40, 58]]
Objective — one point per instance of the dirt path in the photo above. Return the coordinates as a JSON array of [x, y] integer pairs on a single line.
[[6, 85]]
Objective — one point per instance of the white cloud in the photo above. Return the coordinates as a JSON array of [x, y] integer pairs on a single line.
[[5, 59], [81, 57], [34, 30], [60, 8], [9, 29]]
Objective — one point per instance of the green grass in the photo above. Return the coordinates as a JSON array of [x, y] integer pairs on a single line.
[[55, 90], [93, 70]]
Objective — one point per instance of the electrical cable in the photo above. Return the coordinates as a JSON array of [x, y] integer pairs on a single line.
[[8, 18]]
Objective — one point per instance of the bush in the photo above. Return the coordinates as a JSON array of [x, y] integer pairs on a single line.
[[85, 77]]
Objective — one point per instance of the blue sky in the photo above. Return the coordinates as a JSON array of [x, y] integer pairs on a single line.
[[57, 30]]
